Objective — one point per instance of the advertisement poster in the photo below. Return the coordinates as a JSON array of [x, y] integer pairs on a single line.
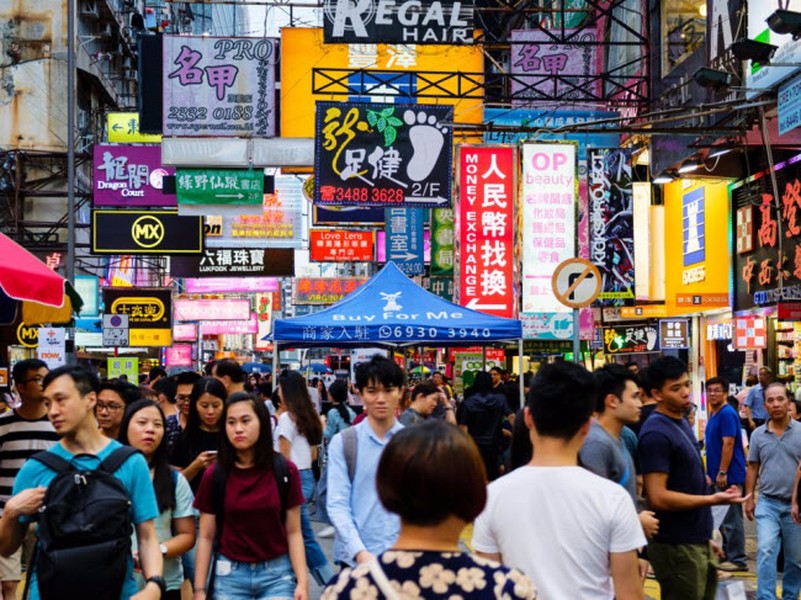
[[219, 86], [612, 224], [372, 154], [178, 355], [52, 348], [130, 176]]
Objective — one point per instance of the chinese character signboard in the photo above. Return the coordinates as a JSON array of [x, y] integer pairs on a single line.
[[264, 316], [486, 227], [219, 86], [149, 313], [548, 220], [249, 326], [231, 285], [150, 232], [123, 366], [630, 339], [408, 22], [52, 348], [124, 127], [338, 245], [442, 286], [771, 270], [324, 290], [235, 262], [404, 239], [443, 255], [375, 154], [217, 310], [130, 176], [674, 334], [750, 332], [219, 186], [612, 223]]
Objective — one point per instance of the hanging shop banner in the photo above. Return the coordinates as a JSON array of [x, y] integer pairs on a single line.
[[217, 310], [486, 229], [184, 332], [151, 232], [219, 186], [372, 154], [325, 290], [219, 86], [117, 367], [381, 246], [231, 285], [130, 176], [249, 326], [443, 254], [52, 346], [548, 174], [354, 216], [264, 316], [612, 224], [767, 238], [545, 70], [178, 355], [442, 286], [750, 332], [124, 127], [674, 334], [631, 338], [235, 262], [404, 238], [339, 245], [149, 313], [408, 22]]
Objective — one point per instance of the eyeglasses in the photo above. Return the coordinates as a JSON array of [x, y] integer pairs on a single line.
[[38, 379], [109, 407], [182, 397]]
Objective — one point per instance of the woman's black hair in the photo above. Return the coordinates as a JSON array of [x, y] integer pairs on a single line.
[[298, 403], [324, 392], [339, 397], [482, 384], [191, 433], [263, 451], [163, 478]]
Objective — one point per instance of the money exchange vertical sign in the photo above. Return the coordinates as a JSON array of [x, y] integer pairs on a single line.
[[612, 223], [219, 86], [486, 223], [405, 243]]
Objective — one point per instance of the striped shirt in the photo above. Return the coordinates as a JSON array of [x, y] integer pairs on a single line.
[[20, 439]]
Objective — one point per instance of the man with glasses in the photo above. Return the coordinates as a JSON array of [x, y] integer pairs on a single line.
[[24, 431], [112, 399], [725, 466], [184, 382]]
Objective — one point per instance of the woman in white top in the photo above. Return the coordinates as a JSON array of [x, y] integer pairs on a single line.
[[299, 432]]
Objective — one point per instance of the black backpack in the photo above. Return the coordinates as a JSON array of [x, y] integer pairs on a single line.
[[84, 530]]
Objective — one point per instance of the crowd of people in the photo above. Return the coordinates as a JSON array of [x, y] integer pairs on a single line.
[[208, 481]]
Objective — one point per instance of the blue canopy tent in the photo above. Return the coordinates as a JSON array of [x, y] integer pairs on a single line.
[[391, 310]]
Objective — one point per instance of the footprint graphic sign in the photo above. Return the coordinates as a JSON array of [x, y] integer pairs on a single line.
[[371, 154]]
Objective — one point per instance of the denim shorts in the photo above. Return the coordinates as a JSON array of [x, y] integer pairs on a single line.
[[273, 579]]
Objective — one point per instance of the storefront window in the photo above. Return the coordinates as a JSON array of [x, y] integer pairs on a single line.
[[683, 28]]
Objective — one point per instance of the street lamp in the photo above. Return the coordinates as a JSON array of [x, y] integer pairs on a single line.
[[746, 49], [785, 22], [713, 78]]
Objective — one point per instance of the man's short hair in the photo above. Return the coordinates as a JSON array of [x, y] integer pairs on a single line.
[[20, 370], [497, 370], [85, 381], [167, 387], [186, 378], [561, 399], [424, 388], [719, 380], [379, 369], [778, 384], [231, 368], [662, 370], [156, 372], [128, 392], [611, 379]]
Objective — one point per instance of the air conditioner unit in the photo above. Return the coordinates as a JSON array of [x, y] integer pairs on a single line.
[[89, 9]]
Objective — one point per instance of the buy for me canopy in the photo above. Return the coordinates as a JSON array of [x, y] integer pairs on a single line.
[[392, 310]]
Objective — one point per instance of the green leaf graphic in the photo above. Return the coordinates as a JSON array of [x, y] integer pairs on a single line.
[[372, 118], [388, 112], [389, 136], [382, 123], [394, 121]]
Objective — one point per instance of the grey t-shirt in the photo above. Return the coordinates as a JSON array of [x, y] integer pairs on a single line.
[[608, 457], [778, 459]]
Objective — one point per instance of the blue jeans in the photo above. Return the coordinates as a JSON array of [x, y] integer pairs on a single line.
[[734, 534], [774, 521], [316, 560], [321, 497], [272, 579]]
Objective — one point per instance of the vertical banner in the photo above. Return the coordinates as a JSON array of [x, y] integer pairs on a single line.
[[486, 224], [442, 242], [612, 224], [404, 239], [548, 226], [52, 348], [264, 317]]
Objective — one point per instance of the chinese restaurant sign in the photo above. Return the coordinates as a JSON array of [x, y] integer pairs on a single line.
[[338, 245], [630, 339], [371, 154], [219, 186], [149, 313], [486, 226], [612, 223], [130, 176], [324, 290], [219, 86], [762, 230]]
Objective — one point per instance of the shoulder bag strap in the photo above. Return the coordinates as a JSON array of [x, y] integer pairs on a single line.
[[52, 461], [350, 446], [116, 459], [381, 580]]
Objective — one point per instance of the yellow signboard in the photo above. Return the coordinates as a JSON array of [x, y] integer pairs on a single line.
[[645, 311], [28, 335], [308, 63], [150, 337], [124, 127]]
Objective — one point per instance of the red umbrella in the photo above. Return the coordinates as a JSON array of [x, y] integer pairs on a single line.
[[25, 277]]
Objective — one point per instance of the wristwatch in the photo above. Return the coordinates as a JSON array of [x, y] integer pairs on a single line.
[[163, 549], [159, 581], [721, 472]]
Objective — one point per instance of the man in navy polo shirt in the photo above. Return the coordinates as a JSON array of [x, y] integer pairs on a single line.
[[725, 466]]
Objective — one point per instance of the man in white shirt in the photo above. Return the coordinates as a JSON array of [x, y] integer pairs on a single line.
[[575, 534]]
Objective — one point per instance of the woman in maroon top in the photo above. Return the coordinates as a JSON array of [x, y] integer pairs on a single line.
[[260, 554]]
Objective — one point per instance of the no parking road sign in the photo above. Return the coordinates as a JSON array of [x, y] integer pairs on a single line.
[[576, 282]]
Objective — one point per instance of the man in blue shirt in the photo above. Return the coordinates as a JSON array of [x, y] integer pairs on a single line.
[[755, 400], [364, 528], [725, 466], [70, 395]]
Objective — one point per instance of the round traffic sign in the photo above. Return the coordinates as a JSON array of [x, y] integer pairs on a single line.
[[576, 282]]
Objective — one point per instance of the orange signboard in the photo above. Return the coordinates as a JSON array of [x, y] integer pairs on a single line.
[[339, 245]]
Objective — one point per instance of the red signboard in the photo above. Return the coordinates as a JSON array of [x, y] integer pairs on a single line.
[[750, 332], [486, 226], [338, 245]]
